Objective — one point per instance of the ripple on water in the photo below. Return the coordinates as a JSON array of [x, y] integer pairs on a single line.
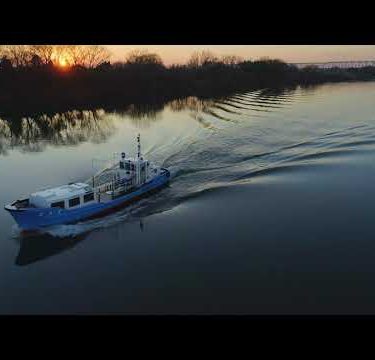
[[224, 150]]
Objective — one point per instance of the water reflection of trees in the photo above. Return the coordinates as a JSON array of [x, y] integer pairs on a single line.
[[143, 115], [277, 92], [197, 107], [74, 127], [308, 88], [70, 128], [284, 92], [191, 103]]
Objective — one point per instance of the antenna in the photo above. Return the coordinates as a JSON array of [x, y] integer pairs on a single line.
[[139, 145]]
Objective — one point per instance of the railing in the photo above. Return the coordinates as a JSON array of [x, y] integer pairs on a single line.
[[120, 186], [102, 178]]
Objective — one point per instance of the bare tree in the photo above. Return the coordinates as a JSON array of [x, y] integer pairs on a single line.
[[85, 55], [96, 55], [143, 57], [5, 63], [231, 60], [201, 58], [44, 52], [19, 55], [75, 54], [88, 55], [36, 61], [3, 51]]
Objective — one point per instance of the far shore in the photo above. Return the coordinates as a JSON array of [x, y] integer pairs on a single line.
[[38, 87]]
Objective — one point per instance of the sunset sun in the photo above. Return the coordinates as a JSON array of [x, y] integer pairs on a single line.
[[62, 62]]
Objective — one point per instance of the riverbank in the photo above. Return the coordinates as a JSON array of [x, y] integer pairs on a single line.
[[29, 90]]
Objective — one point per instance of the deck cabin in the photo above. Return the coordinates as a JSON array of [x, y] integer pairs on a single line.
[[64, 197]]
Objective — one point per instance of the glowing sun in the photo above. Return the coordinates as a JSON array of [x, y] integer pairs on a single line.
[[62, 62]]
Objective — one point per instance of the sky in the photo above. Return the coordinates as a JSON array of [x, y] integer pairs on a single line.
[[172, 54]]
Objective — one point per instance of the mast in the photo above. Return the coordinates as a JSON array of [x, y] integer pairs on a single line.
[[139, 145], [138, 168]]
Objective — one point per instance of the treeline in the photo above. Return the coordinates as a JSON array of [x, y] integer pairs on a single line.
[[22, 57], [45, 78]]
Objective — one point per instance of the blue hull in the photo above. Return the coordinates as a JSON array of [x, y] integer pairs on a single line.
[[36, 218]]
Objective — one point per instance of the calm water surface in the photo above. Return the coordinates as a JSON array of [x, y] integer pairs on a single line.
[[269, 211]]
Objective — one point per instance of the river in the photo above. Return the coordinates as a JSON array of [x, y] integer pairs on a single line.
[[269, 209]]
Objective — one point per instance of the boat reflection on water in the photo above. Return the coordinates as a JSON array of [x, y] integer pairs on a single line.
[[36, 246]]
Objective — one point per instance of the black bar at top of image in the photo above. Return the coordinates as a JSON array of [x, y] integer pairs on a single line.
[[194, 32]]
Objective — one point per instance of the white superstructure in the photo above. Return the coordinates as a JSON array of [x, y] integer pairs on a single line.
[[126, 175], [62, 194]]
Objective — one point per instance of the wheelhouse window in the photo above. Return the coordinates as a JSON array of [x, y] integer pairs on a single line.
[[74, 202], [59, 204], [88, 197]]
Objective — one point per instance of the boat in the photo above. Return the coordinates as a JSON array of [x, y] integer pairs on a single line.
[[125, 181]]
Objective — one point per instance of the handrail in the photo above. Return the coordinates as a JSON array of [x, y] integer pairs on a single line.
[[114, 185]]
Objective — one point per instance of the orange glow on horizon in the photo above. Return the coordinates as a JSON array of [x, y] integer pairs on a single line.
[[63, 62], [180, 54], [61, 59]]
